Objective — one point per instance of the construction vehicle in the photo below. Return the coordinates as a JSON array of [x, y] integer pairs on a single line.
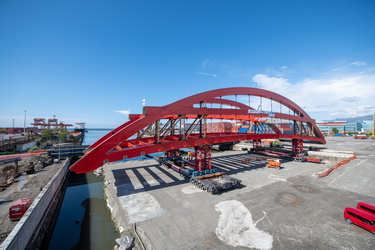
[[214, 183], [208, 180], [30, 168], [360, 136], [278, 144], [274, 163]]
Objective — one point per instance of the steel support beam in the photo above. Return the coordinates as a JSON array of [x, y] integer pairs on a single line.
[[172, 153], [203, 157], [257, 144], [297, 148]]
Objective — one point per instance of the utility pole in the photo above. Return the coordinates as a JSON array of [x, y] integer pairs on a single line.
[[24, 124], [373, 127]]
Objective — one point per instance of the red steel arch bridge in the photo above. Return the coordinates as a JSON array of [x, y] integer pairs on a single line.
[[200, 121]]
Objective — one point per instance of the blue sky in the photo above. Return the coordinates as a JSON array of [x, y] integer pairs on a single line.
[[91, 61]]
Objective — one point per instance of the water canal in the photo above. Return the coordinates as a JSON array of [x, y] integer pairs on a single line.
[[84, 220]]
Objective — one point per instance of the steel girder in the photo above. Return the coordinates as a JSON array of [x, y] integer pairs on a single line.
[[117, 144]]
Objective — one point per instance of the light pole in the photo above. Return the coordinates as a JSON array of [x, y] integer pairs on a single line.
[[24, 124], [13, 124]]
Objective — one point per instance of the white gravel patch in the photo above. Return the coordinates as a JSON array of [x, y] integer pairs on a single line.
[[237, 228], [141, 207], [191, 190], [277, 177]]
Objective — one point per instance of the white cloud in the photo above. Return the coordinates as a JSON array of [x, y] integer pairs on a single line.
[[274, 84], [330, 98], [348, 112], [124, 112], [207, 74], [358, 63], [206, 63], [350, 99], [283, 67]]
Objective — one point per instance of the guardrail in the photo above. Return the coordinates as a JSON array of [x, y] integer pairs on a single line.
[[66, 152]]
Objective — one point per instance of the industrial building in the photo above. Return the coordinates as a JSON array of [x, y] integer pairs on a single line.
[[341, 126]]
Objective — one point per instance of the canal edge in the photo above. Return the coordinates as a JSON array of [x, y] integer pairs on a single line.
[[118, 214], [30, 230]]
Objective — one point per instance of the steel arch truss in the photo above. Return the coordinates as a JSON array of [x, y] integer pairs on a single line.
[[190, 122]]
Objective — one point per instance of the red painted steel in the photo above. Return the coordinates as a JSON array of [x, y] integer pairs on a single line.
[[116, 145], [297, 147], [172, 153], [203, 157]]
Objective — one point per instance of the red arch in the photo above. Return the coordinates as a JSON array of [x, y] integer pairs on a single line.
[[103, 151], [194, 99]]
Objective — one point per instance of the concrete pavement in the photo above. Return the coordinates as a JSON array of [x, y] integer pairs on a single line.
[[273, 209]]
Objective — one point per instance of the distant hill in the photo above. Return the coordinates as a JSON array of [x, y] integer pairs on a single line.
[[356, 119]]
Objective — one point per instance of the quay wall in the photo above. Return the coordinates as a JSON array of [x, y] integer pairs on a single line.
[[33, 226]]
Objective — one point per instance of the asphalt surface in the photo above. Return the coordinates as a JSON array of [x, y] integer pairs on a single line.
[[273, 209]]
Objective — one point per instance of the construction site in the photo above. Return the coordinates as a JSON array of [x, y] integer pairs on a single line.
[[208, 172], [286, 186], [297, 205]]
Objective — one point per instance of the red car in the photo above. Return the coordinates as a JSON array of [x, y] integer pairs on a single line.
[[368, 208], [360, 218], [360, 137]]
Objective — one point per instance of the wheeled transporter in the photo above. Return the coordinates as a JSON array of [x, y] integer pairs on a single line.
[[207, 180], [215, 183]]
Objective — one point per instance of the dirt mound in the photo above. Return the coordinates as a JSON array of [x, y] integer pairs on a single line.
[[39, 162]]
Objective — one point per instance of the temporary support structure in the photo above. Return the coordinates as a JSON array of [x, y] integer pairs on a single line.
[[203, 157], [172, 153], [257, 144], [297, 148]]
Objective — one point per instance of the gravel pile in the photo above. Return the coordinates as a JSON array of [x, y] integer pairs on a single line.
[[39, 163]]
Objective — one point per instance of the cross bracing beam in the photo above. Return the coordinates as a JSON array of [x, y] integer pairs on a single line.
[[174, 133]]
